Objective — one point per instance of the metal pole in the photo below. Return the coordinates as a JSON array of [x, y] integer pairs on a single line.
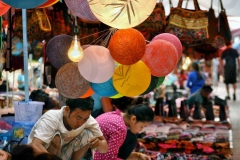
[[25, 53]]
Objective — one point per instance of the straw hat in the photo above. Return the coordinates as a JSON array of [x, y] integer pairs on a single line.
[[69, 82], [57, 49]]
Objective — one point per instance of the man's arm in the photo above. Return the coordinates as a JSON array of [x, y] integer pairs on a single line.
[[220, 65], [106, 104], [38, 146], [99, 143]]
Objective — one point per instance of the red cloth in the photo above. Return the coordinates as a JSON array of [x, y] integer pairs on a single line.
[[181, 79]]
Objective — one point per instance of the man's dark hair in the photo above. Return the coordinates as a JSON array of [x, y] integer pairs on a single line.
[[84, 104], [47, 156], [207, 88], [22, 152]]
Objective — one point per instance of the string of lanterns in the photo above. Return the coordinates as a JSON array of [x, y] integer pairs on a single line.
[[126, 67]]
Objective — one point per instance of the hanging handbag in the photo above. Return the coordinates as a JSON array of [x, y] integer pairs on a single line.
[[224, 25], [190, 26], [38, 24], [215, 40], [155, 23]]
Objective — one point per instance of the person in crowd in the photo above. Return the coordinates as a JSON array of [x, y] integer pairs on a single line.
[[20, 80], [117, 125], [201, 99], [182, 77], [101, 105], [196, 79], [229, 56], [69, 132]]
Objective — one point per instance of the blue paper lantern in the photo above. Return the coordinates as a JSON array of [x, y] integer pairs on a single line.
[[105, 89], [24, 4]]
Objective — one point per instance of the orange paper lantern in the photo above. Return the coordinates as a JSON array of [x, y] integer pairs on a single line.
[[161, 57], [88, 93], [127, 46]]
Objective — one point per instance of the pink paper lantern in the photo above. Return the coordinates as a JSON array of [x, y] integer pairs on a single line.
[[173, 39], [97, 65], [161, 57]]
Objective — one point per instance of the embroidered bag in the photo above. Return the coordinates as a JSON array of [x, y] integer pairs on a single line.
[[190, 26]]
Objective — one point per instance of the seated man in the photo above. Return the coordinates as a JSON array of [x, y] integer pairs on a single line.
[[69, 132], [200, 100]]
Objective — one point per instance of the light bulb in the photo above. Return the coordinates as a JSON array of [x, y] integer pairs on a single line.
[[75, 52]]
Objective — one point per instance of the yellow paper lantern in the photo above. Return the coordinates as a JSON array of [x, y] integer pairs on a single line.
[[132, 80], [117, 96], [122, 14]]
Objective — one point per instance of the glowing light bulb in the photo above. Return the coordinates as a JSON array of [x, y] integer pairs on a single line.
[[188, 61], [75, 52]]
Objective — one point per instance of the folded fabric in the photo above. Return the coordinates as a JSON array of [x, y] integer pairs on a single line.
[[150, 129], [197, 139], [208, 126], [163, 129], [175, 131], [161, 136], [197, 124], [173, 136], [205, 149], [150, 135], [207, 131], [184, 126], [185, 136]]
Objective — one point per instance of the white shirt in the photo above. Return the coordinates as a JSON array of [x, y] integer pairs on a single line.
[[52, 121]]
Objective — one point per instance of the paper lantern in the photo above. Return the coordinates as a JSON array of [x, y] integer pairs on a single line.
[[122, 14], [127, 46], [131, 80], [160, 81], [24, 4], [57, 49], [69, 82], [88, 93], [81, 9], [3, 8], [173, 39], [152, 86], [117, 96], [105, 89], [97, 65], [161, 57], [48, 3]]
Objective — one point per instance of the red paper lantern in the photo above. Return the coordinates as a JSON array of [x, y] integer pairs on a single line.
[[3, 8], [173, 39], [127, 46], [161, 57]]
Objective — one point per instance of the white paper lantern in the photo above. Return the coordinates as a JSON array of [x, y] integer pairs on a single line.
[[122, 14]]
